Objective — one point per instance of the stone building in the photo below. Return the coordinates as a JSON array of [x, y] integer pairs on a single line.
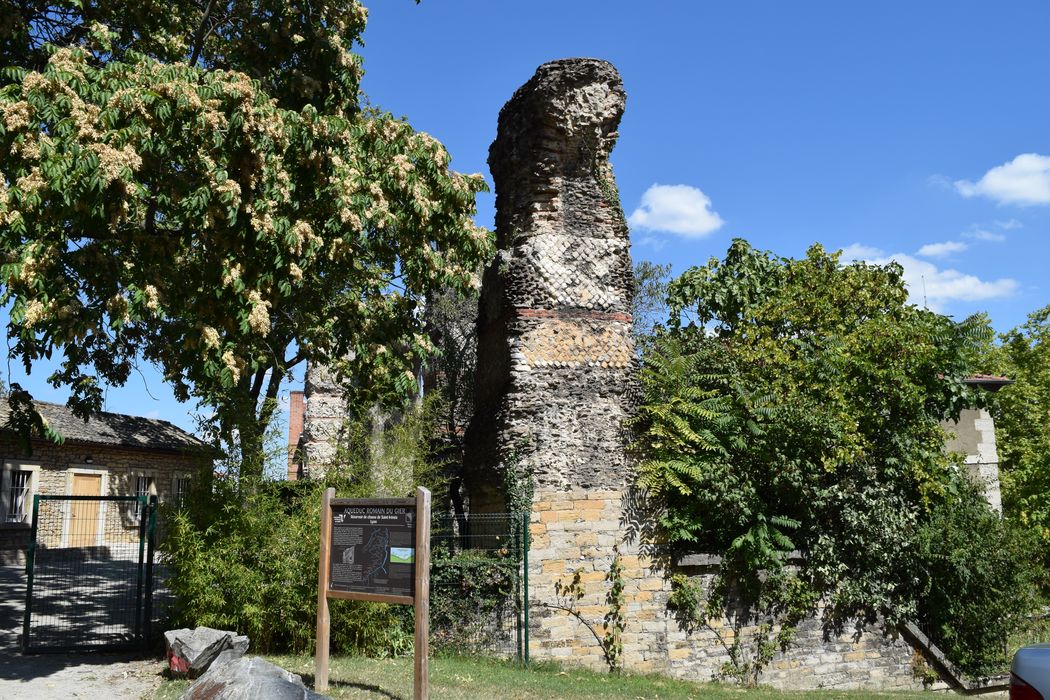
[[111, 454]]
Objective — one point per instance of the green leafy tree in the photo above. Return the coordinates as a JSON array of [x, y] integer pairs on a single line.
[[796, 404], [198, 184], [1022, 421], [649, 300]]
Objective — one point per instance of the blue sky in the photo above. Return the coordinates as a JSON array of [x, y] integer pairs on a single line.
[[783, 123], [904, 130]]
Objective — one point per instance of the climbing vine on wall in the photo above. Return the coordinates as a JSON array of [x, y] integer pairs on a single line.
[[608, 633]]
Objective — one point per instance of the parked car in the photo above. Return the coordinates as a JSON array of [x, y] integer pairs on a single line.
[[1030, 673]]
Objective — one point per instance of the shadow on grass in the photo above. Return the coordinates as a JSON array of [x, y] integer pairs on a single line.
[[308, 681]]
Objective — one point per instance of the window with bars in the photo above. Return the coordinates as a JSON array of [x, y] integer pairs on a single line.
[[17, 495], [144, 486], [182, 491]]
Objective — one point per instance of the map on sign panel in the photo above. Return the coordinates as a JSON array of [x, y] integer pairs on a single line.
[[373, 549], [376, 553]]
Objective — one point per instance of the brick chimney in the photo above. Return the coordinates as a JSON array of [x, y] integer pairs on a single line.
[[296, 414]]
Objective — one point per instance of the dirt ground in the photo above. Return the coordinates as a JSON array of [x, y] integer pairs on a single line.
[[98, 676], [49, 676]]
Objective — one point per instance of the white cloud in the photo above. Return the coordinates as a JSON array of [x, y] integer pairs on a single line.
[[1009, 224], [940, 250], [1024, 180], [930, 284], [859, 251], [983, 235], [653, 242], [677, 209]]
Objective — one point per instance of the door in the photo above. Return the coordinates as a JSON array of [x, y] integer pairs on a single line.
[[84, 515]]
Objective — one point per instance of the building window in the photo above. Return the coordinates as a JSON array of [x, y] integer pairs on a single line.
[[18, 485], [144, 486], [182, 491], [18, 495]]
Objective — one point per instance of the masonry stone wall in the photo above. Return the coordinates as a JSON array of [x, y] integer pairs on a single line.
[[325, 420], [576, 529], [554, 381]]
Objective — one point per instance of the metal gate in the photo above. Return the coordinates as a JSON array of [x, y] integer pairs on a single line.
[[89, 573], [479, 585]]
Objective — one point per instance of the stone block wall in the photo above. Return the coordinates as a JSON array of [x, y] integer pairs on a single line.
[[119, 467], [576, 529]]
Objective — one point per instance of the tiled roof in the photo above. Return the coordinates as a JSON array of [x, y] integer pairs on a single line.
[[115, 429], [988, 381]]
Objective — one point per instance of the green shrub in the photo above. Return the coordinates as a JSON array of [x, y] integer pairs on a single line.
[[248, 562], [471, 592], [241, 554], [981, 573]]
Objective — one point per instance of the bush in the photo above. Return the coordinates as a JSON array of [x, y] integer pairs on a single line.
[[242, 553], [472, 593], [982, 574], [246, 560]]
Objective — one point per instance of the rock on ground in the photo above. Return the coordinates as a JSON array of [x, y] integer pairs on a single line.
[[191, 652], [248, 678]]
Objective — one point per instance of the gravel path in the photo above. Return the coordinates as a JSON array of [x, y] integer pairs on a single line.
[[97, 676], [60, 676]]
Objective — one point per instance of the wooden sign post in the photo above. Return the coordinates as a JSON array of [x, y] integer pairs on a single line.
[[375, 549]]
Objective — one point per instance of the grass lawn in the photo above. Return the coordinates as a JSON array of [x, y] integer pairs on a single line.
[[473, 679]]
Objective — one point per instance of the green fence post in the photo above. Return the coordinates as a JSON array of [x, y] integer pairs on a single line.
[[143, 515], [151, 546], [30, 562], [525, 571]]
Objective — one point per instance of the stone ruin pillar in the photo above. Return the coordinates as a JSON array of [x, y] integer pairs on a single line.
[[324, 420], [555, 351]]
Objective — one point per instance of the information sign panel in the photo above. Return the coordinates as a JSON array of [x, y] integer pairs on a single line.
[[373, 549]]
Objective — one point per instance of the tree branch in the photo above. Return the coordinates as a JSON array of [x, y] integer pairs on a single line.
[[198, 36], [257, 382]]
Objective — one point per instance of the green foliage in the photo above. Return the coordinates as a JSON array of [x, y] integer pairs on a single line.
[[389, 454], [1022, 421], [615, 620], [199, 186], [649, 297], [246, 560], [981, 573], [752, 633], [518, 485], [608, 634], [470, 592], [795, 404], [242, 553]]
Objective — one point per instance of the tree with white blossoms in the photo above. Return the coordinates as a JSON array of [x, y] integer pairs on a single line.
[[197, 183]]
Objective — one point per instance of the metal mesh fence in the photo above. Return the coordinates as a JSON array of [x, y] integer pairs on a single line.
[[89, 573], [479, 585]]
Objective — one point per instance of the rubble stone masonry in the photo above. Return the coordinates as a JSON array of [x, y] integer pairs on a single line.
[[555, 359]]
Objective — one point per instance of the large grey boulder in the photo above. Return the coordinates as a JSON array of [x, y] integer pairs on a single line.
[[249, 678], [192, 652]]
